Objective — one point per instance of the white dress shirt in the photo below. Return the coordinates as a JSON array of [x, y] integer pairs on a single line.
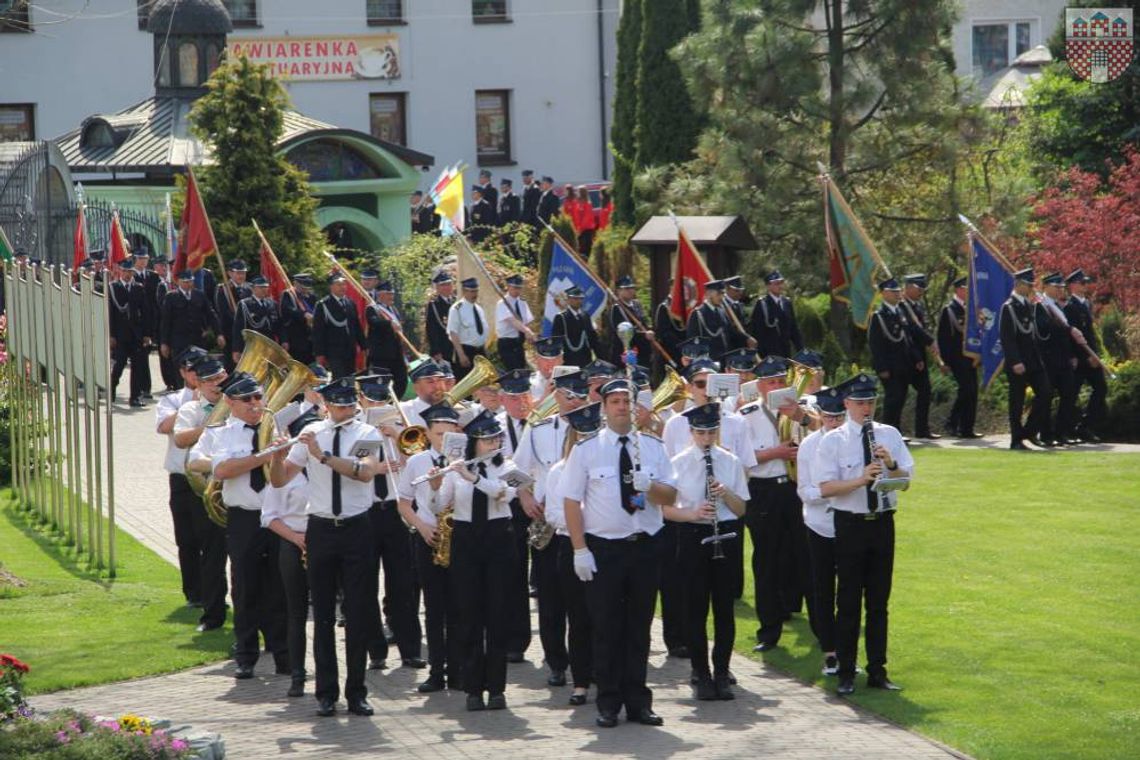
[[692, 479], [461, 322], [538, 385], [510, 424], [734, 435], [355, 496], [762, 427], [234, 440], [169, 404], [289, 503], [840, 457], [191, 415], [460, 493], [505, 314], [428, 502], [539, 449], [592, 477], [413, 409], [817, 510], [555, 509]]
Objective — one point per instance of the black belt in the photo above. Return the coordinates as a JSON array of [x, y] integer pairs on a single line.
[[339, 522], [882, 514], [639, 536], [386, 504], [773, 481]]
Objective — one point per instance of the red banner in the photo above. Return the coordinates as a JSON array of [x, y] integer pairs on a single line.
[[196, 238], [272, 270], [80, 238], [689, 279], [119, 250]]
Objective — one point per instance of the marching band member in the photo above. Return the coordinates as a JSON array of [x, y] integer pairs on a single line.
[[848, 464], [626, 291], [516, 405], [257, 313], [583, 422], [467, 327], [482, 557], [951, 341], [258, 596], [427, 384], [443, 657], [336, 329], [189, 432], [547, 356], [711, 495], [512, 317], [1090, 370], [820, 529], [130, 333], [711, 322], [236, 272], [338, 539], [614, 486], [598, 373], [186, 316]]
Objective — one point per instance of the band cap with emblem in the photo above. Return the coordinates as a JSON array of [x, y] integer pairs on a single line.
[[425, 370], [337, 276], [258, 281], [446, 370], [809, 358], [916, 279], [303, 278], [370, 273], [640, 378], [618, 385], [340, 392], [695, 348], [236, 265], [185, 274], [442, 278], [207, 367], [1025, 275], [715, 285], [962, 281], [321, 374], [861, 387], [241, 385], [471, 283], [889, 284], [774, 276], [574, 384], [484, 425], [385, 286], [830, 402], [515, 280], [704, 417], [574, 292], [741, 359], [736, 282], [772, 366], [549, 347], [625, 281], [1077, 276], [700, 367], [516, 382], [441, 412], [586, 419], [599, 368], [1053, 278], [189, 357]]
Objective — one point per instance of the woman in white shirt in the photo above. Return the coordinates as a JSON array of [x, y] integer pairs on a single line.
[[283, 512], [482, 555]]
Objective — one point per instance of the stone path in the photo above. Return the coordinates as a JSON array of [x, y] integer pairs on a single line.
[[773, 715]]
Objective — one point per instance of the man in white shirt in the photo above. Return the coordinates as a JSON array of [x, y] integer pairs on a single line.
[[467, 328], [339, 456], [850, 459], [547, 356], [514, 394], [258, 593], [512, 320], [427, 384], [820, 528], [615, 484]]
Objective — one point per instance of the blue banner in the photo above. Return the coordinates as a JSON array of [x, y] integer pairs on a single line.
[[564, 272], [990, 284]]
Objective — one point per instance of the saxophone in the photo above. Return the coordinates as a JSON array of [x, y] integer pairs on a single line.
[[441, 553], [539, 534]]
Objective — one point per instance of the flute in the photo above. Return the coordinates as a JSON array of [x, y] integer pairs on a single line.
[[465, 462], [297, 439]]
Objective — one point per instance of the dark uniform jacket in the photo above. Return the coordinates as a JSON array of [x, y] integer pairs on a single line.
[[669, 335], [127, 306], [548, 205], [435, 324], [424, 219], [739, 339], [149, 280], [710, 323], [1017, 326], [222, 306], [336, 330], [951, 334], [640, 342], [383, 345], [531, 194], [775, 328], [481, 217], [1054, 341], [1079, 314], [510, 209], [920, 335], [892, 344], [185, 320], [259, 316], [491, 195], [294, 328], [579, 338]]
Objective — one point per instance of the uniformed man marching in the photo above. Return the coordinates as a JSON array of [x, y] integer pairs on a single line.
[[435, 318], [626, 305], [336, 329], [951, 342], [548, 201], [510, 205], [711, 322], [297, 307], [1023, 366], [186, 316], [257, 313], [531, 194], [385, 326], [1090, 370], [923, 339], [512, 324], [773, 322], [579, 338], [481, 217], [235, 286], [129, 332], [467, 328], [894, 354], [1056, 344]]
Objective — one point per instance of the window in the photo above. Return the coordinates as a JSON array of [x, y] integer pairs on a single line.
[[14, 16], [242, 12], [17, 122], [493, 127], [489, 11], [996, 45], [382, 12], [387, 117], [188, 65], [330, 161], [213, 58]]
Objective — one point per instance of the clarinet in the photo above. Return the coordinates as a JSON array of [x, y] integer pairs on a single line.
[[869, 433], [717, 537]]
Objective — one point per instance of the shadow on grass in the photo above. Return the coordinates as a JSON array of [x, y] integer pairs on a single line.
[[52, 545]]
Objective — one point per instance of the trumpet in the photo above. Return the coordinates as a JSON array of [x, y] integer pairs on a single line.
[[717, 537], [465, 463]]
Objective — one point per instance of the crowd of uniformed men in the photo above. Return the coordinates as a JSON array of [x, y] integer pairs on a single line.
[[595, 508]]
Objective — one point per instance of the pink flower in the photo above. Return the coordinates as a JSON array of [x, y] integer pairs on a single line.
[[62, 737], [179, 745]]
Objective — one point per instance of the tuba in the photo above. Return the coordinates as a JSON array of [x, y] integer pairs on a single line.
[[671, 390], [482, 373], [799, 377]]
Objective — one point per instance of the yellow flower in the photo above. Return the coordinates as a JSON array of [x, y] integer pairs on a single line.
[[133, 723]]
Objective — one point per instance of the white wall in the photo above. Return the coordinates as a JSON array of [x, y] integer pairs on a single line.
[[1043, 17]]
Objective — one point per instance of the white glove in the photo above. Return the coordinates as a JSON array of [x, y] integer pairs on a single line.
[[641, 481], [584, 565]]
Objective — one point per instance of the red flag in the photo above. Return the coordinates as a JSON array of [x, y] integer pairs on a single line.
[[272, 270], [689, 279], [197, 238], [80, 240], [119, 250]]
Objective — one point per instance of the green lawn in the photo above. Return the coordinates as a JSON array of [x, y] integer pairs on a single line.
[[74, 627], [1015, 610]]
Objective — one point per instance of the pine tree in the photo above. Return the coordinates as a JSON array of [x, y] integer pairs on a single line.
[[667, 125], [622, 141], [241, 118]]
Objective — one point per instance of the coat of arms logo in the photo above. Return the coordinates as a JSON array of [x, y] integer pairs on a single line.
[[1098, 42]]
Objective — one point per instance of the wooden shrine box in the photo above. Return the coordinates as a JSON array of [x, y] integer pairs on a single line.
[[719, 239]]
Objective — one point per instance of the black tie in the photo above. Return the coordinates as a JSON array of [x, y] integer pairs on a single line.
[[872, 496], [625, 465], [516, 310], [257, 474], [380, 484], [479, 500], [336, 476], [478, 320], [439, 461], [513, 435]]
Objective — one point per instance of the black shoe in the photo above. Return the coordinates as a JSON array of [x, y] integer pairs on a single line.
[[475, 703], [377, 665], [606, 719], [414, 662], [557, 678], [1017, 446], [1091, 437], [296, 687], [930, 435], [731, 678], [577, 700], [136, 403], [705, 690], [846, 686], [882, 682], [243, 672], [147, 395], [723, 688], [1070, 441], [326, 707], [515, 657], [681, 653], [433, 683], [497, 702], [647, 717], [360, 706], [204, 627], [694, 676], [455, 683], [764, 646], [830, 665]]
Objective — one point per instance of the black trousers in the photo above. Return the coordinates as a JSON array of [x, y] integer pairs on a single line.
[[920, 380], [709, 581], [620, 599], [518, 585], [472, 352], [183, 502], [397, 367], [1064, 383], [342, 363], [133, 352], [295, 580], [482, 557], [392, 548], [341, 553], [581, 645], [821, 603], [894, 396], [551, 608], [1038, 422], [965, 409], [439, 615], [864, 560], [1095, 410], [674, 600], [511, 353], [212, 553], [774, 514], [259, 598], [579, 358], [170, 376]]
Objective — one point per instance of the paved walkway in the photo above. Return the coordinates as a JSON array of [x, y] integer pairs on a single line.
[[773, 715]]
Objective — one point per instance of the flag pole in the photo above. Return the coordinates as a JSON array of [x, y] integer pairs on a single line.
[[610, 294], [227, 285], [276, 263]]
